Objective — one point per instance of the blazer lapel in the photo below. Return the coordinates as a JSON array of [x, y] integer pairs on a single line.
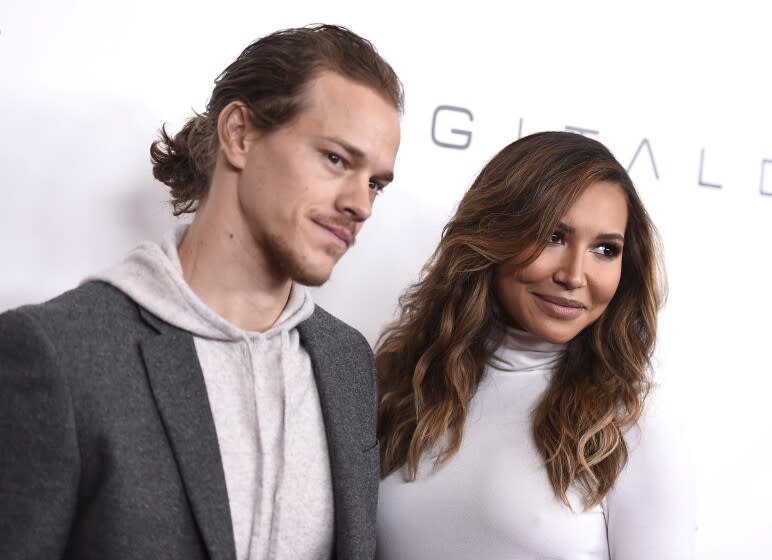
[[178, 386], [330, 383], [348, 405]]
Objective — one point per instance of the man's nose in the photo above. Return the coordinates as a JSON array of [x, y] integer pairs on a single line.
[[355, 198]]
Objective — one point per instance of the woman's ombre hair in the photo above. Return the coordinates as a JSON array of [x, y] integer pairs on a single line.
[[431, 359]]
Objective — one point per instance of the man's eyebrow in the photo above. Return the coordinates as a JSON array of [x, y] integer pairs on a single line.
[[352, 150], [601, 236], [358, 154]]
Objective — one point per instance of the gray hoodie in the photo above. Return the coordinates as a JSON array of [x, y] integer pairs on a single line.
[[265, 406]]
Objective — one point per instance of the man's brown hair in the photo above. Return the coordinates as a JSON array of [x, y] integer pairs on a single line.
[[269, 77]]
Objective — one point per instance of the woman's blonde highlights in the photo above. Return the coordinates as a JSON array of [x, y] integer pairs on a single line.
[[432, 358]]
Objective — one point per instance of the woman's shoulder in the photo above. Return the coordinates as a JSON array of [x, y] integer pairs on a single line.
[[651, 508], [661, 422]]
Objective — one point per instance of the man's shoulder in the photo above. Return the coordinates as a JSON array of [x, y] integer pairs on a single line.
[[325, 335], [83, 312], [323, 323], [86, 333], [88, 301]]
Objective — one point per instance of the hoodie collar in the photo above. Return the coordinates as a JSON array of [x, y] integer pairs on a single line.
[[151, 275]]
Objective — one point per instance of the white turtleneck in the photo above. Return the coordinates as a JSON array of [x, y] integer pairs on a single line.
[[493, 500]]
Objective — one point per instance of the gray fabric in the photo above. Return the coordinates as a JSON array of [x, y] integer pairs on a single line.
[[151, 275], [109, 446], [264, 402]]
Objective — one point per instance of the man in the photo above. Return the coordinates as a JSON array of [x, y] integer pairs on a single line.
[[192, 402]]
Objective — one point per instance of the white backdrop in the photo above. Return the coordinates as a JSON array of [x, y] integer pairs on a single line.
[[86, 84]]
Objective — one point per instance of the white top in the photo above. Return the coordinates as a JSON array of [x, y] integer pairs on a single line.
[[265, 407], [493, 500]]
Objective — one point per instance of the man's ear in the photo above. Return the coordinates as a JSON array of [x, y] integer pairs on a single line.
[[234, 129]]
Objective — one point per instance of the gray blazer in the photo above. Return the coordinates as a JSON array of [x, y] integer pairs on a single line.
[[109, 448]]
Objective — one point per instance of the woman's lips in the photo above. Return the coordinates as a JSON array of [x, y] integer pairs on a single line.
[[558, 307]]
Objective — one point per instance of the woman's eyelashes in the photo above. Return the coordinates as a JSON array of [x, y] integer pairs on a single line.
[[607, 250]]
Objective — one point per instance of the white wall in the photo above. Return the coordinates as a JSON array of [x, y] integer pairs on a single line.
[[85, 85]]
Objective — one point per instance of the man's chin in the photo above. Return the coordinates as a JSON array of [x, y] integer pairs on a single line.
[[310, 268], [313, 276], [311, 280]]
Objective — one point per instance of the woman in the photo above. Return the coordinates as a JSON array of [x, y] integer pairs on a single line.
[[517, 418]]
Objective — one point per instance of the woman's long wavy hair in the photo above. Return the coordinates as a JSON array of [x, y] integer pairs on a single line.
[[431, 359]]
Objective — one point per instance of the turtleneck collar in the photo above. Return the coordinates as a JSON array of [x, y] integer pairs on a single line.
[[522, 352]]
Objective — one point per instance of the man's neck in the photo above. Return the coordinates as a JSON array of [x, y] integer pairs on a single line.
[[231, 275]]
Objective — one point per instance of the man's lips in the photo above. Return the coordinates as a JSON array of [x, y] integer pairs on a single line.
[[559, 307], [342, 233]]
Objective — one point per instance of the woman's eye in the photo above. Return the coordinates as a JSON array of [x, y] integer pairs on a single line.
[[555, 238], [334, 158], [607, 250]]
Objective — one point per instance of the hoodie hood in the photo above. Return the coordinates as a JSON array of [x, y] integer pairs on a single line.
[[151, 275]]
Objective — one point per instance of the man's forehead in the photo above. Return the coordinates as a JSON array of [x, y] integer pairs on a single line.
[[332, 87], [353, 116]]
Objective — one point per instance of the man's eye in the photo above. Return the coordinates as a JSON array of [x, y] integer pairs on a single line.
[[376, 187], [334, 158]]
